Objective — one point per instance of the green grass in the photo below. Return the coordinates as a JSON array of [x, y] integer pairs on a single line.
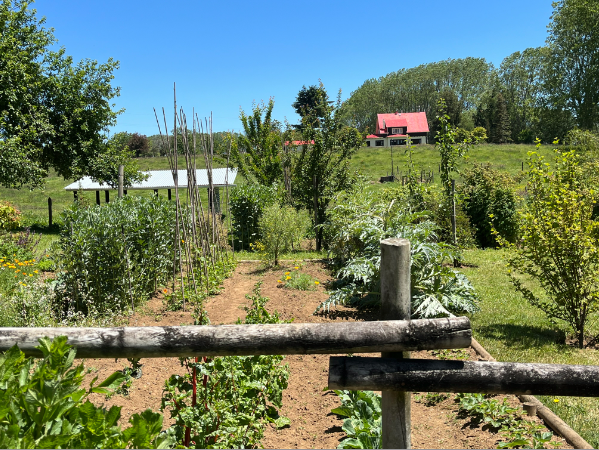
[[290, 256], [512, 330]]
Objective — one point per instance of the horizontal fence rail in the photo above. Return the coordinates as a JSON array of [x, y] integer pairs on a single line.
[[424, 375], [239, 340]]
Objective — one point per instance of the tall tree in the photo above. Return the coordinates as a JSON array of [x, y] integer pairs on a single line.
[[258, 151], [574, 45], [320, 168], [53, 113], [310, 105]]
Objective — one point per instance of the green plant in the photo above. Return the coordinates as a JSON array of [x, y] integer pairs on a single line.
[[357, 224], [10, 217], [247, 203], [363, 423], [236, 397], [43, 405], [112, 256], [294, 279], [490, 202], [558, 245], [282, 228], [432, 398], [501, 416]]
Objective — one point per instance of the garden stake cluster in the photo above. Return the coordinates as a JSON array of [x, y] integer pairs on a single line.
[[200, 249]]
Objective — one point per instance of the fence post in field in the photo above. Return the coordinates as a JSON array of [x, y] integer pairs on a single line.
[[49, 212], [121, 180], [396, 305], [98, 198]]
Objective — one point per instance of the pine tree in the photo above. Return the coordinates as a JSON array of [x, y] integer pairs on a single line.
[[500, 123]]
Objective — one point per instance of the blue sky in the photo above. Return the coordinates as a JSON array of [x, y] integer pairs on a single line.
[[225, 55]]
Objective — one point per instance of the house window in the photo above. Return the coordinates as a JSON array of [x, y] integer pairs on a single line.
[[380, 143], [396, 130], [416, 141], [367, 143], [395, 141]]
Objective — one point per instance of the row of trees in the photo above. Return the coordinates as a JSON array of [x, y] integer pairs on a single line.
[[540, 92]]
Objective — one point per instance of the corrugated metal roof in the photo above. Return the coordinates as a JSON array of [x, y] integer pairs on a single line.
[[163, 179]]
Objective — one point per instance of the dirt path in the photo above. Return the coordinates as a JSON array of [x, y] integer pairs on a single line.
[[305, 401]]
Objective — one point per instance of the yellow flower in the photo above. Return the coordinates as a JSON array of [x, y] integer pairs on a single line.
[[30, 274], [287, 273], [288, 278], [165, 290], [316, 282], [296, 267], [279, 281], [556, 400], [35, 271]]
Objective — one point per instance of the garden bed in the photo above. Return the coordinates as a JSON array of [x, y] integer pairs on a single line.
[[305, 401]]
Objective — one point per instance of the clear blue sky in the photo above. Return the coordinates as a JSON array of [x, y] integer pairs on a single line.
[[224, 55]]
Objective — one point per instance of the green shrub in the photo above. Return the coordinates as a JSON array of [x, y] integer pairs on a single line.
[[490, 202], [10, 217], [21, 245], [282, 229], [113, 255], [479, 134], [558, 241], [44, 406], [247, 203]]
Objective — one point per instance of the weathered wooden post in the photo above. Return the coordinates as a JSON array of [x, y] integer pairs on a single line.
[[98, 198], [49, 212], [396, 305], [121, 180], [106, 196]]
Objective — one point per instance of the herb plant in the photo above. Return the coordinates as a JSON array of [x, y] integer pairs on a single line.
[[363, 423]]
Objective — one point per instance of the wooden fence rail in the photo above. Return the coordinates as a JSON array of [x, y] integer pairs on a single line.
[[238, 340], [426, 375]]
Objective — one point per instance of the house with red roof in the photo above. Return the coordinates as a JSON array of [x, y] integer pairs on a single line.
[[394, 128]]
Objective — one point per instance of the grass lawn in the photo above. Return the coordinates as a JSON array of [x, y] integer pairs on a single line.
[[513, 330]]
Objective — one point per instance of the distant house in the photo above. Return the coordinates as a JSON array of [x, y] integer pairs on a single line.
[[394, 128]]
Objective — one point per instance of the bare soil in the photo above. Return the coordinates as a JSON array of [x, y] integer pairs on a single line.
[[306, 401]]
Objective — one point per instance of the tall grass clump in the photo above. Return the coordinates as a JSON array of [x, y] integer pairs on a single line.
[[113, 256]]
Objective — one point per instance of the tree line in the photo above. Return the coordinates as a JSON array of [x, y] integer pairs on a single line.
[[541, 92]]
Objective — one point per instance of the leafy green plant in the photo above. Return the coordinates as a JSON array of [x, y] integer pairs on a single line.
[[432, 398], [520, 433], [247, 203], [282, 229], [114, 255], [558, 245], [295, 279], [490, 202], [44, 406], [10, 217], [357, 224], [363, 423], [226, 402]]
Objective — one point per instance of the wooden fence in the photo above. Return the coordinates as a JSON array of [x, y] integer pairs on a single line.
[[395, 374]]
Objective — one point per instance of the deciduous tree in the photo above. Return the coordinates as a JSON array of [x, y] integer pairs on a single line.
[[53, 112]]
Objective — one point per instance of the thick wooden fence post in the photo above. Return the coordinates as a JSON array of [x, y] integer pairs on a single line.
[[396, 305]]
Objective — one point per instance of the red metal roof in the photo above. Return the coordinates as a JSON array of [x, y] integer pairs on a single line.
[[300, 142], [415, 122], [396, 121], [398, 135], [372, 136]]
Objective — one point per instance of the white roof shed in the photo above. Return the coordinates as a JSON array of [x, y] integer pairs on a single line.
[[163, 179]]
